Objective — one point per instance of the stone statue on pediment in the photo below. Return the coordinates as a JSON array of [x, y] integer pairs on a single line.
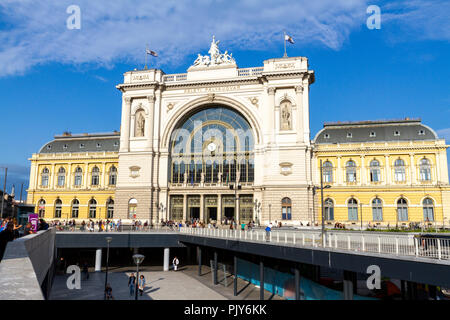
[[215, 57]]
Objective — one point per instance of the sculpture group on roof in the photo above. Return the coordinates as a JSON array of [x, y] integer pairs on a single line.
[[215, 57]]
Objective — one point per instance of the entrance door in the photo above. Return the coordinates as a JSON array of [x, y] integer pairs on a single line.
[[229, 213], [195, 212], [212, 213]]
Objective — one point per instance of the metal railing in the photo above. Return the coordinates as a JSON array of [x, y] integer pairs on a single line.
[[398, 245]]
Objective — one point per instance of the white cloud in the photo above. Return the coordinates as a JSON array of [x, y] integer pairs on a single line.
[[34, 32], [444, 134]]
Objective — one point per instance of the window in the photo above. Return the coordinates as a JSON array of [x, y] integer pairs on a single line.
[[110, 208], [58, 208], [65, 146], [399, 170], [286, 209], [49, 147], [396, 133], [375, 173], [428, 210], [61, 177], [402, 210], [425, 170], [75, 208], [349, 135], [329, 209], [99, 145], [352, 210], [327, 136], [132, 206], [208, 171], [350, 169], [327, 171], [116, 144], [44, 177], [78, 176], [95, 176], [92, 209], [41, 208], [377, 209], [421, 133], [81, 145], [113, 176], [373, 134]]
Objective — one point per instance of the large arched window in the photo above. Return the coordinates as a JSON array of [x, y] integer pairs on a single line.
[[377, 209], [113, 176], [402, 210], [44, 177], [352, 210], [375, 175], [110, 208], [58, 208], [92, 209], [428, 210], [350, 171], [132, 207], [95, 176], [329, 209], [78, 177], [41, 208], [210, 142], [75, 208], [425, 170], [399, 170], [327, 172], [61, 177], [286, 209]]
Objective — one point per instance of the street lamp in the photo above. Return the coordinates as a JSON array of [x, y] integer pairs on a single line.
[[257, 209], [138, 258], [108, 241]]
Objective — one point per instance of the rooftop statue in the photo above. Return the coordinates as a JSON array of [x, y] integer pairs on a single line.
[[215, 57]]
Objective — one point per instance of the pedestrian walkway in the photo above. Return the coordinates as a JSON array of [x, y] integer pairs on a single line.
[[160, 285]]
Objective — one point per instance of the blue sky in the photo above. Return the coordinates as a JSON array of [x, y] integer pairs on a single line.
[[53, 79]]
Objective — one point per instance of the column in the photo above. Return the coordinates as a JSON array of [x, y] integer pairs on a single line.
[[348, 285], [412, 169], [69, 177], [184, 208], [52, 177], [299, 118], [261, 280], [219, 208], [125, 129], [387, 165], [297, 283], [235, 275], [363, 170], [215, 268], [98, 260], [305, 108], [271, 115], [238, 210], [199, 260], [202, 211], [166, 259], [102, 176], [438, 168], [339, 174], [150, 121], [85, 180]]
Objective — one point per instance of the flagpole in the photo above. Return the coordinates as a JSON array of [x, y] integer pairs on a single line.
[[146, 54], [285, 54]]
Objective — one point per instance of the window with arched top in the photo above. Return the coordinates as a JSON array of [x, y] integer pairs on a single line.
[[75, 208], [402, 209], [329, 209], [132, 207], [286, 209], [110, 208], [78, 177], [352, 209], [95, 176], [113, 176], [61, 177], [58, 208], [44, 177], [428, 210], [375, 172], [92, 208], [327, 171], [377, 209], [399, 170], [425, 170], [41, 208], [350, 171]]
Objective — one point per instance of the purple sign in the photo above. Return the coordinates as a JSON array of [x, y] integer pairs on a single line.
[[34, 219]]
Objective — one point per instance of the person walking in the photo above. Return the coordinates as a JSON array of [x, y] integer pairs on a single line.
[[141, 284], [108, 292], [132, 283], [175, 263], [268, 230]]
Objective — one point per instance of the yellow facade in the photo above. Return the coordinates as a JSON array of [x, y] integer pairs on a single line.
[[390, 185], [93, 190]]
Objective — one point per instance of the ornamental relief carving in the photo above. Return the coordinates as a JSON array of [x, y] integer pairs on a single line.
[[254, 101]]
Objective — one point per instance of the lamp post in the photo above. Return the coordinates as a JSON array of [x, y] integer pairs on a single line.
[[361, 205], [322, 205], [257, 210], [108, 241], [138, 258]]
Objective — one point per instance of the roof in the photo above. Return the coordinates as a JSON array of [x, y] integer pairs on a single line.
[[374, 131], [94, 142]]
